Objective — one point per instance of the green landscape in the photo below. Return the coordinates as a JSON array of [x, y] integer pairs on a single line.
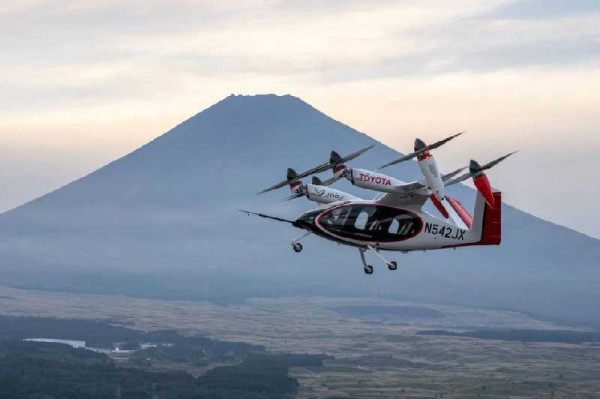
[[31, 369], [295, 347]]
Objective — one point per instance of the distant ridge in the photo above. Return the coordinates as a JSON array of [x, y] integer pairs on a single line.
[[162, 222]]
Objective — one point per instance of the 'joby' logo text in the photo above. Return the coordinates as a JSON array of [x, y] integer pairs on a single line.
[[375, 179], [328, 194]]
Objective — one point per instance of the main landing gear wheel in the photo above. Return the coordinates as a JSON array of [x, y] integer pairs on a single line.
[[297, 247], [392, 265], [368, 269]]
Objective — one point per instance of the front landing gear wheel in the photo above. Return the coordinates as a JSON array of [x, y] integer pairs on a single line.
[[297, 247], [392, 265], [368, 269]]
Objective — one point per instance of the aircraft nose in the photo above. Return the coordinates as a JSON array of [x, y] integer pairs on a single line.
[[307, 220]]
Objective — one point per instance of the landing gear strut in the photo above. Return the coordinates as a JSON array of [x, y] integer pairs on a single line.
[[296, 246], [367, 268], [392, 265]]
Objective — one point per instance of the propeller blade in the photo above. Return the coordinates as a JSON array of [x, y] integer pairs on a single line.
[[450, 175], [459, 179], [330, 165], [328, 182], [274, 187], [262, 215], [356, 154], [300, 192], [404, 158], [441, 142], [421, 150], [319, 169], [294, 196], [475, 169], [497, 161]]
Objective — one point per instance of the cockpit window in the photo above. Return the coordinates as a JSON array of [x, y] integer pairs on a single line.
[[361, 220], [404, 225], [364, 217], [371, 222], [394, 227], [338, 216]]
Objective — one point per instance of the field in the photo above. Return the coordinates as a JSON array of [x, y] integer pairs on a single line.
[[378, 353]]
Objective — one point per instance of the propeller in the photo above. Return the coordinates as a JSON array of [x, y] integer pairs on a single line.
[[318, 182], [301, 193], [420, 149], [335, 160], [448, 176], [475, 169], [296, 185]]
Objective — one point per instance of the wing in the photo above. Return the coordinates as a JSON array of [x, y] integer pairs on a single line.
[[420, 185], [408, 200], [409, 187]]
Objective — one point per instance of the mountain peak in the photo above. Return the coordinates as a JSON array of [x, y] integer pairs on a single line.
[[260, 103], [262, 97]]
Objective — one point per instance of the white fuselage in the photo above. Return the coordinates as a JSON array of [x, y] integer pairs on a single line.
[[415, 230], [432, 175], [327, 195], [372, 224], [374, 181]]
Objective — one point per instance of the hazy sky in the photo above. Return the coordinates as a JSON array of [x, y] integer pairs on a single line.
[[84, 82]]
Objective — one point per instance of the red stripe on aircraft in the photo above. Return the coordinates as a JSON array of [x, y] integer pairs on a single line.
[[439, 206], [339, 168], [461, 211], [483, 186]]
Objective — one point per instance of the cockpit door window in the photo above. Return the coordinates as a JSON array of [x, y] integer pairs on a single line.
[[372, 223]]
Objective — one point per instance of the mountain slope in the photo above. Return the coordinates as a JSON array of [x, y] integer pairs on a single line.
[[163, 221]]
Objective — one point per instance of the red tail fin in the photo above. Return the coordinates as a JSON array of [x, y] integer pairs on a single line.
[[492, 222], [487, 221]]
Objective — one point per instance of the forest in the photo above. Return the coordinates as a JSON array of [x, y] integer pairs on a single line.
[[54, 370]]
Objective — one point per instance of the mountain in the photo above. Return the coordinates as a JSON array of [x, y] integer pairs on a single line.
[[162, 221]]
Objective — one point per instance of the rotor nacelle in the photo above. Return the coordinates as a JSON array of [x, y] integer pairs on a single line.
[[481, 182]]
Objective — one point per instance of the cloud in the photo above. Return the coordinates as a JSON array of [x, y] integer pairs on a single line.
[[534, 9]]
